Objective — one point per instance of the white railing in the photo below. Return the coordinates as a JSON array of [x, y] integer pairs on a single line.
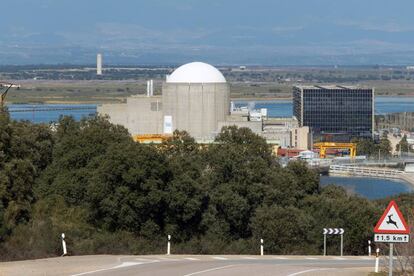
[[365, 171]]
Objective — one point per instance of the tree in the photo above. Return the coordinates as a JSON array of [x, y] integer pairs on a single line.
[[333, 207], [111, 195], [239, 168], [285, 230], [385, 146], [25, 151], [40, 237], [248, 143], [366, 147], [403, 145], [185, 193], [77, 144], [126, 188], [308, 179]]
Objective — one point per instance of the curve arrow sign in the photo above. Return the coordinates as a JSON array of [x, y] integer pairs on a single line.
[[333, 231]]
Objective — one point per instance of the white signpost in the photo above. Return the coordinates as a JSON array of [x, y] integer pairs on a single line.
[[261, 247], [169, 245], [369, 248], [333, 231], [65, 252], [392, 228]]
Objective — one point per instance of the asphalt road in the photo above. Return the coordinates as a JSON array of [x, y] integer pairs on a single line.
[[181, 265]]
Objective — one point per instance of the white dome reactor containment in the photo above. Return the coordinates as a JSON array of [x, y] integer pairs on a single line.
[[196, 72]]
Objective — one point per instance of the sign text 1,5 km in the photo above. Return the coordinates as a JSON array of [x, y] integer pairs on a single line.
[[391, 238]]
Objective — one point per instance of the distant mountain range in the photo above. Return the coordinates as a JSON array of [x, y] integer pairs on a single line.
[[231, 32], [15, 55]]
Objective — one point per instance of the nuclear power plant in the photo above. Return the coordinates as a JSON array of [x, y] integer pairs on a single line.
[[196, 98]]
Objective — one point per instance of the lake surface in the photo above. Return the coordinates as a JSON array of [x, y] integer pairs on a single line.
[[372, 188], [276, 108], [46, 113], [283, 108]]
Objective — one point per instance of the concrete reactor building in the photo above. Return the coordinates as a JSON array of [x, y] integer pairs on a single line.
[[195, 98]]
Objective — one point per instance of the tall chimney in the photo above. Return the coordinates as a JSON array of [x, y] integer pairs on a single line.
[[99, 64], [152, 88]]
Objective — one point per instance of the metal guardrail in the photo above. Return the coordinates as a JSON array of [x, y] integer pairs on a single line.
[[365, 171]]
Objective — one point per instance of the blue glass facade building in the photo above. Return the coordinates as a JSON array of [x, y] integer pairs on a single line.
[[338, 111]]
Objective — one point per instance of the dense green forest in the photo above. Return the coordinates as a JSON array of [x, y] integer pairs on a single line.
[[109, 194]]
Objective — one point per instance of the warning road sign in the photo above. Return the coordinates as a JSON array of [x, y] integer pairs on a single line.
[[392, 221], [392, 228]]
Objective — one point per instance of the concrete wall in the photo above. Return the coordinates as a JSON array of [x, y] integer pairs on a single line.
[[282, 138], [117, 113], [301, 138], [141, 114], [144, 115], [256, 127], [196, 108]]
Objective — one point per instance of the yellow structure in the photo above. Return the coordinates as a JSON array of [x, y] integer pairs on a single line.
[[330, 145], [150, 138]]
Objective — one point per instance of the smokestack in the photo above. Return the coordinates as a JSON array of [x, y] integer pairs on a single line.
[[99, 64], [152, 88]]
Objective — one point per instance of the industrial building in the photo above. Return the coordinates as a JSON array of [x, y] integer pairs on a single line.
[[336, 113], [196, 98]]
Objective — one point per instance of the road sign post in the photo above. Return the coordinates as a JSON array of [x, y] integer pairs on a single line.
[[333, 231], [169, 245], [65, 252], [392, 228], [261, 247], [377, 260], [369, 248], [391, 258]]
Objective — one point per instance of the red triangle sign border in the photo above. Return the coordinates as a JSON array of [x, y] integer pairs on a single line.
[[383, 217]]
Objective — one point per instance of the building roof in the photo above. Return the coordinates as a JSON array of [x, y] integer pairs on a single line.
[[196, 72], [329, 87]]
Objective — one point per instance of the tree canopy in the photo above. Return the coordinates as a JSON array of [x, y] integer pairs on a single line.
[[90, 180]]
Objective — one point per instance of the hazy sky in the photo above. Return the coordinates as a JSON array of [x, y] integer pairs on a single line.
[[227, 30]]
